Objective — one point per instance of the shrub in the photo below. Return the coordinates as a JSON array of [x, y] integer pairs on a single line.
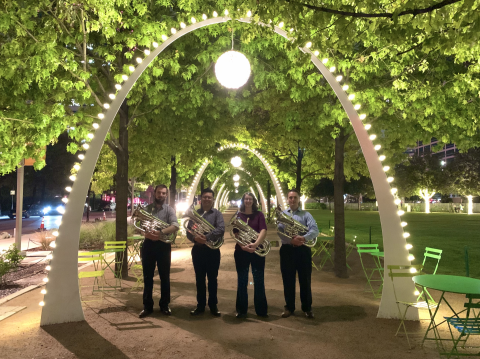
[[93, 235], [9, 259], [315, 205], [45, 238]]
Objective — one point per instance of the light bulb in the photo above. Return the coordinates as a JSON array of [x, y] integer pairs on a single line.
[[345, 87], [389, 179], [118, 87], [49, 256], [386, 168], [106, 105], [131, 68], [372, 137], [173, 30], [68, 189], [164, 37], [147, 52], [182, 25], [351, 96], [401, 213], [215, 14], [48, 268], [232, 69], [362, 116], [226, 12], [86, 146], [291, 29], [403, 224], [325, 61], [42, 303], [155, 44], [382, 158], [397, 201], [55, 233], [408, 246], [339, 78], [45, 279], [393, 190], [139, 60], [204, 17], [416, 292], [64, 200], [357, 106], [101, 116], [332, 69], [377, 147], [90, 135], [411, 257], [413, 270], [53, 244], [124, 77], [308, 45], [76, 167], [95, 125], [72, 178], [281, 24], [406, 235], [249, 13], [43, 291], [81, 156], [316, 53]]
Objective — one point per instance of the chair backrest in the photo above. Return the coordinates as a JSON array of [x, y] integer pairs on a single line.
[[399, 271], [435, 254], [114, 245], [367, 248], [90, 256]]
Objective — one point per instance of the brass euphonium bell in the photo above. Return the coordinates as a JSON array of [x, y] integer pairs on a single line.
[[292, 227], [247, 235], [148, 222], [200, 226]]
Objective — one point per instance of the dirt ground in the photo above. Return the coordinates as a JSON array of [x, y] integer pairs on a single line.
[[345, 324]]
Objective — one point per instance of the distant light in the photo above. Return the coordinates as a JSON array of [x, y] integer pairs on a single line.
[[131, 68], [236, 161], [118, 86], [397, 201], [236, 178], [411, 257], [408, 246], [86, 146], [401, 213], [413, 270]]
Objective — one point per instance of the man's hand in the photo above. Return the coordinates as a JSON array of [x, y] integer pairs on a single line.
[[250, 248], [153, 235], [200, 238], [298, 241]]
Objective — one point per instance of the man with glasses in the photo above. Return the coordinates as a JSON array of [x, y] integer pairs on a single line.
[[206, 261]]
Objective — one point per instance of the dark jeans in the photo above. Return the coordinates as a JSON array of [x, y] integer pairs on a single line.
[[206, 262], [156, 253], [293, 260], [242, 263]]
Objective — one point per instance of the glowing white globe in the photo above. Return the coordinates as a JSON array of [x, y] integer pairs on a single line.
[[232, 69], [236, 184], [236, 161], [236, 178]]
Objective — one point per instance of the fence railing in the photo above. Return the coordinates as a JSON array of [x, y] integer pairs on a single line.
[[407, 207]]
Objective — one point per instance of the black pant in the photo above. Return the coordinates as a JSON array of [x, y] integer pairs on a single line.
[[206, 262], [156, 253], [293, 259], [242, 263]]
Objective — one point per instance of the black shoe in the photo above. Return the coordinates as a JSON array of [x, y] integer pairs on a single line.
[[197, 311], [241, 316], [145, 313], [214, 310], [286, 313], [309, 314], [262, 316], [166, 311]]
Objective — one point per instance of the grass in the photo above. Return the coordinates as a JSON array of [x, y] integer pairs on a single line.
[[450, 232]]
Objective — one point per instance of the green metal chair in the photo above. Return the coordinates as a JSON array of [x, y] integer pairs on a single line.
[[465, 326], [115, 263], [97, 274], [324, 245], [370, 271], [137, 271], [435, 255], [134, 245], [407, 271]]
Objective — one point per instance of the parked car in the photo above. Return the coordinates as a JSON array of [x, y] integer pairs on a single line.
[[31, 210], [107, 206]]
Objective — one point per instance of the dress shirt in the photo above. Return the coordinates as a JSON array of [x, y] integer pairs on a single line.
[[304, 218]]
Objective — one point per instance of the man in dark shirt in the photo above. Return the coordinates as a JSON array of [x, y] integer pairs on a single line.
[[157, 252], [206, 261]]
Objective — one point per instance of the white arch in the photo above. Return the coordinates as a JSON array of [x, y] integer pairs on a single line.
[[225, 199], [217, 199], [62, 301]]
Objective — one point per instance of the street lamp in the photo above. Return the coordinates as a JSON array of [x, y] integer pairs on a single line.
[[236, 161], [232, 69], [236, 184], [236, 178]]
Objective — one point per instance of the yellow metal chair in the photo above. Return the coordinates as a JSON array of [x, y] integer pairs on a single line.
[[115, 263], [97, 274]]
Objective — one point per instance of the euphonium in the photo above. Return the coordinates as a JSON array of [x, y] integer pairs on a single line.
[[247, 235], [200, 226], [149, 222], [292, 227]]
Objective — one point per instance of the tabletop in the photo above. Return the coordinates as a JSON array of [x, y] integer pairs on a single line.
[[449, 283]]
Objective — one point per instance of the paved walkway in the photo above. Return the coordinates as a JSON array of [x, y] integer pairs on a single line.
[[345, 325]]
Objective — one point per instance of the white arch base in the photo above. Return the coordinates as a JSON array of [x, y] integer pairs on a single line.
[[62, 301]]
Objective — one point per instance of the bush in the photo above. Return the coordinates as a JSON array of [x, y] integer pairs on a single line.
[[45, 238], [93, 235], [316, 205], [9, 259]]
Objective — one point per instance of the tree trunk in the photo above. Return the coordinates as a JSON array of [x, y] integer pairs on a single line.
[[173, 183], [133, 195], [121, 180], [269, 203], [340, 260], [299, 169]]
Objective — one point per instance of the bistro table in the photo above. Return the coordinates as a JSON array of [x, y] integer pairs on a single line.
[[444, 284]]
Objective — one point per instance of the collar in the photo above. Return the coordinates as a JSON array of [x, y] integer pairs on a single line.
[[201, 211], [297, 211], [155, 208]]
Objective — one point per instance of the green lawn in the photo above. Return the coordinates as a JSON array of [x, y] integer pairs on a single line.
[[450, 232]]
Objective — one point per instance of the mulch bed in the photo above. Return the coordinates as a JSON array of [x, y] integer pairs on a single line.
[[17, 280]]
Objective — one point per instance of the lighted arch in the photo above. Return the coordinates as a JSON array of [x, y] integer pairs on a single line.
[[62, 300], [217, 198]]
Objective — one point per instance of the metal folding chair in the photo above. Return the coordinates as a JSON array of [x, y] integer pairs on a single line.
[[370, 271], [115, 263], [97, 274], [435, 255]]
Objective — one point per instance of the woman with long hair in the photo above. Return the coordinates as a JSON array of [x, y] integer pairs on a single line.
[[246, 256]]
